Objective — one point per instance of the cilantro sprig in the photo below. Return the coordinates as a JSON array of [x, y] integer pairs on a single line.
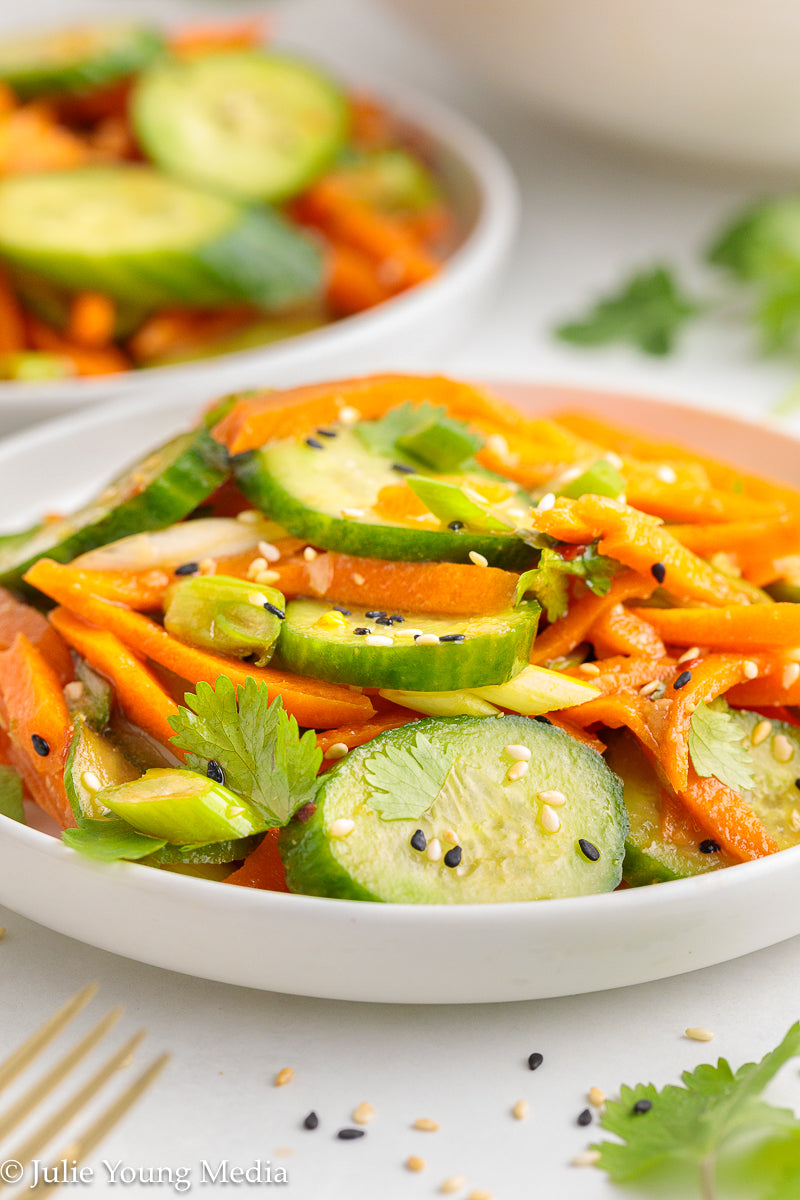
[[648, 311], [406, 780], [716, 748], [549, 581]]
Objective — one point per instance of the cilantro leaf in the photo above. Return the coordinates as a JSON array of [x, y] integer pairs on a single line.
[[716, 748], [549, 582], [11, 795], [110, 840], [647, 312], [255, 742], [694, 1122], [405, 780]]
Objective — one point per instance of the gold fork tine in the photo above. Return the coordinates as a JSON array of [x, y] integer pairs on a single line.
[[62, 1116], [29, 1050], [43, 1087], [86, 1142]]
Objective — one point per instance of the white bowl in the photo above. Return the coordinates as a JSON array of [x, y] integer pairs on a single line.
[[717, 81], [363, 951], [482, 190]]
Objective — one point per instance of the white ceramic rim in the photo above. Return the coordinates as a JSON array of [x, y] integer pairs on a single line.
[[487, 244]]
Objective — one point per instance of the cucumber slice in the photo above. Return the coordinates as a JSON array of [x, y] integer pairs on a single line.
[[77, 59], [250, 124], [183, 807], [159, 490], [151, 241], [93, 763], [310, 491], [212, 854], [319, 641], [649, 856], [506, 853], [393, 181], [774, 796]]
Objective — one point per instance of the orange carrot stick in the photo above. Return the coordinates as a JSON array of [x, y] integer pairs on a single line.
[[621, 674], [573, 628], [620, 631], [357, 735], [353, 285], [108, 361], [736, 627], [263, 868], [771, 688], [17, 617], [708, 679], [12, 323], [92, 317]]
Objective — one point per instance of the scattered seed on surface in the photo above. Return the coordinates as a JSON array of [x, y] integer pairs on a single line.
[[207, 566], [478, 559], [454, 1184], [480, 1195], [311, 1121], [434, 850], [256, 567], [397, 618], [543, 720], [268, 551], [337, 750], [418, 840], [553, 798], [535, 1060], [596, 1097], [450, 836], [451, 637], [694, 652], [791, 673], [348, 415], [415, 1163], [342, 827], [518, 770], [350, 1135], [426, 1125], [189, 568], [74, 690], [649, 688], [90, 781], [314, 443], [750, 669], [699, 1033], [328, 433], [383, 621], [352, 512], [521, 1110], [378, 639], [258, 599], [214, 771], [456, 526], [284, 1076], [344, 611], [497, 444], [364, 1113], [375, 612], [276, 612], [546, 503], [518, 753], [659, 572], [761, 732], [361, 631], [309, 554], [589, 668], [586, 1158], [709, 846], [404, 469], [408, 632], [453, 857], [40, 745], [682, 680], [642, 1106], [551, 822], [427, 639], [359, 579], [782, 749], [666, 474], [588, 849], [585, 1117], [267, 577]]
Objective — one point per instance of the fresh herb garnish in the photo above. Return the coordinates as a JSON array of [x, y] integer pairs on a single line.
[[648, 311], [423, 433], [715, 748], [11, 795], [110, 840], [549, 582], [382, 435], [405, 781], [257, 745]]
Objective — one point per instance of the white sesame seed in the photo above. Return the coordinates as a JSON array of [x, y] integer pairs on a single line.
[[520, 753], [309, 554], [480, 1194], [791, 673], [249, 516], [761, 732], [554, 798], [596, 1097], [650, 687], [794, 820], [267, 577], [378, 639], [666, 474], [268, 551], [256, 567], [207, 566], [589, 668], [450, 836], [257, 598], [750, 669], [427, 639], [415, 1163], [546, 503], [586, 1158], [782, 749], [551, 821], [337, 750], [518, 770], [90, 781], [692, 652], [342, 827], [454, 1184], [74, 690], [434, 850], [497, 444], [359, 579], [353, 512], [406, 632], [349, 415], [698, 1033], [615, 460], [461, 869], [571, 474], [519, 514], [478, 559], [364, 1113], [284, 1076], [520, 1110], [426, 1125]]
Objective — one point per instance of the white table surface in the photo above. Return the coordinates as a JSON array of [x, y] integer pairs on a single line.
[[589, 214]]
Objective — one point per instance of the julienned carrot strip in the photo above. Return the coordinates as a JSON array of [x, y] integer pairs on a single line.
[[640, 542], [687, 502], [17, 617], [108, 361], [92, 317], [770, 688], [32, 140], [357, 735], [192, 40], [750, 538], [353, 285], [38, 725], [142, 590], [620, 631], [313, 703], [184, 329], [735, 627], [567, 632], [12, 323], [138, 693], [263, 868], [581, 735], [708, 679], [623, 674]]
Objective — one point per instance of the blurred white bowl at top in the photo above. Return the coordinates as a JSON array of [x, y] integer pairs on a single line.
[[712, 79]]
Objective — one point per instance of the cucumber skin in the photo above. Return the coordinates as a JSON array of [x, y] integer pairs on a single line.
[[99, 69], [363, 540], [211, 852], [186, 482]]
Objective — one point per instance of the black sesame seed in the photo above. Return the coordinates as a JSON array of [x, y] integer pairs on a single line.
[[709, 846], [418, 840], [642, 1106], [455, 526], [362, 629], [190, 568], [682, 680], [451, 637], [383, 620], [327, 432], [797, 783], [659, 572], [543, 720], [40, 745], [402, 469], [453, 857], [344, 611], [375, 613], [588, 849], [276, 612], [397, 619], [585, 1117], [313, 443], [350, 1135], [535, 1060], [311, 1121], [214, 771]]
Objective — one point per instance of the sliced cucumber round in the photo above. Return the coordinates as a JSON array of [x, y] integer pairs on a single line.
[[159, 490], [774, 795], [151, 241], [212, 853], [505, 829], [250, 124], [77, 59], [331, 495], [320, 641]]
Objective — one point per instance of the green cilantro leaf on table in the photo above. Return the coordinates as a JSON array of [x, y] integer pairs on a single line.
[[11, 795], [110, 840], [256, 743], [648, 312], [716, 748], [406, 780], [691, 1125], [549, 581]]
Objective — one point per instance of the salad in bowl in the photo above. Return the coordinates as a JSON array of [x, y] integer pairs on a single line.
[[389, 639]]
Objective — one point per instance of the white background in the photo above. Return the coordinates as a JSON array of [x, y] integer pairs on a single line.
[[590, 213]]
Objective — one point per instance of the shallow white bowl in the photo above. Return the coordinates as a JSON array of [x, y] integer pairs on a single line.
[[482, 190], [393, 953]]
